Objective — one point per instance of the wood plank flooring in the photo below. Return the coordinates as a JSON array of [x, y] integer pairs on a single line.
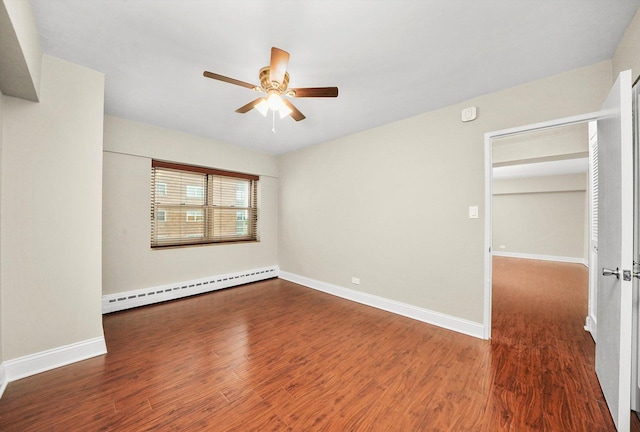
[[275, 356]]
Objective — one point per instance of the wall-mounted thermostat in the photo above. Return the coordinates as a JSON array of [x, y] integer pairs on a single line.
[[469, 114]]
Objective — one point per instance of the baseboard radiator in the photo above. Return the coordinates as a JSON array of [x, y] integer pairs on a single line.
[[146, 296]]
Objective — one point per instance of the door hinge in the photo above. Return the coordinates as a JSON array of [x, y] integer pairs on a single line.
[[626, 275]]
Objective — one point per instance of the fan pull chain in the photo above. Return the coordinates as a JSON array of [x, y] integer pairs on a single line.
[[273, 128]]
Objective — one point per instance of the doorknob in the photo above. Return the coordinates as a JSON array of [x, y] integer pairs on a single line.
[[609, 272]]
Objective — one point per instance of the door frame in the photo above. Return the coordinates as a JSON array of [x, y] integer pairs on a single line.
[[488, 197]]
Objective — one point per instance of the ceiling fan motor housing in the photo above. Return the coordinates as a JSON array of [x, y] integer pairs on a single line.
[[267, 84]]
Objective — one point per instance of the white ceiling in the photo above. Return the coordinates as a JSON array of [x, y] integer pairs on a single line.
[[391, 59]]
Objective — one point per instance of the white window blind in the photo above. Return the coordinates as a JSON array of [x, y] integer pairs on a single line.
[[194, 205]]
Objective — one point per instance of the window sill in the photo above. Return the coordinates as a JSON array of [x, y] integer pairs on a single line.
[[191, 245]]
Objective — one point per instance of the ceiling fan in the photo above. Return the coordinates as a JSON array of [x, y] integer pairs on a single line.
[[274, 81]]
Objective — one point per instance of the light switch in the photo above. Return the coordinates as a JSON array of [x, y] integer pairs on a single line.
[[473, 212]]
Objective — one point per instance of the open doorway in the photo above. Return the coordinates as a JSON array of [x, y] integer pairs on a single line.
[[541, 226], [541, 219], [558, 144], [540, 194]]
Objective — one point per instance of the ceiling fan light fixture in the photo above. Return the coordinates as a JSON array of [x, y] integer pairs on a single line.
[[285, 111], [263, 107], [275, 101]]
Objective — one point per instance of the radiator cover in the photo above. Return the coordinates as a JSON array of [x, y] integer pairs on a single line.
[[146, 296]]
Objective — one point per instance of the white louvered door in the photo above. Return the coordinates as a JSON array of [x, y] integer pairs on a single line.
[[591, 323]]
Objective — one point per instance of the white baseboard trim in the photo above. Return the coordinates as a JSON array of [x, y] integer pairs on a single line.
[[43, 361], [582, 261], [147, 296], [3, 379], [436, 318], [591, 327]]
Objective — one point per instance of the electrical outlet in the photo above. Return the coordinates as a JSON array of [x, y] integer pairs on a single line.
[[355, 281]]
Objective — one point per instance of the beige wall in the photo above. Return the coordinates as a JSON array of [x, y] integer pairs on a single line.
[[565, 142], [129, 263], [1, 265], [627, 55], [540, 215], [21, 59], [389, 205], [51, 194]]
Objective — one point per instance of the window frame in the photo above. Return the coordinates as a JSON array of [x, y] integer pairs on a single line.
[[212, 215]]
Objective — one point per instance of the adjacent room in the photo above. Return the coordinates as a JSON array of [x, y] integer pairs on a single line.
[[252, 215]]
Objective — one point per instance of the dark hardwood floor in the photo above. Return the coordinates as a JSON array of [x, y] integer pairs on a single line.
[[275, 356]]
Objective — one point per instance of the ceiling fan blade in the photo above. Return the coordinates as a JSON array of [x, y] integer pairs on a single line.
[[295, 113], [279, 63], [316, 92], [251, 105], [215, 76]]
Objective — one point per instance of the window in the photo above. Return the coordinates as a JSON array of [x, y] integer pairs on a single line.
[[161, 189], [195, 191], [195, 205], [195, 216]]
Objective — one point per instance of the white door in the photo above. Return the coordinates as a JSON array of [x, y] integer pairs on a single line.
[[615, 250], [635, 363]]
